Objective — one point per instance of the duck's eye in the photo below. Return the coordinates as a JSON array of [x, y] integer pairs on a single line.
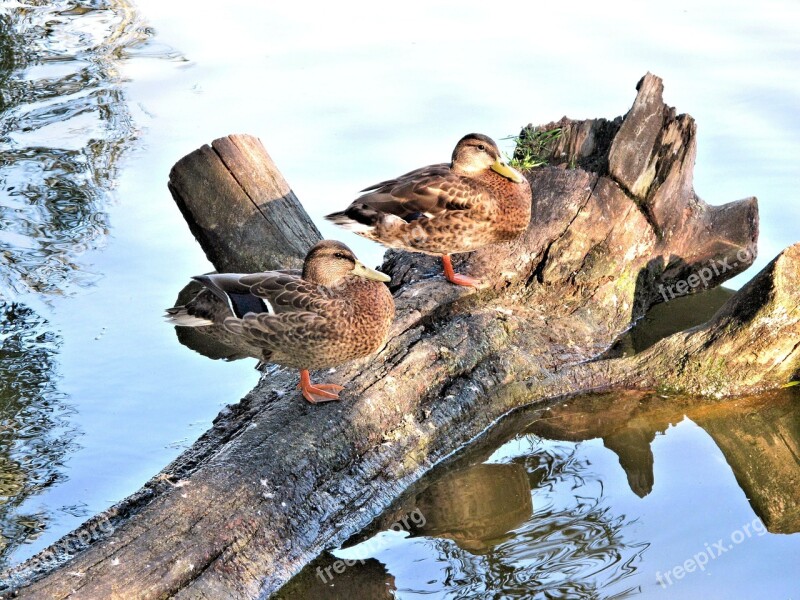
[[481, 147], [340, 255]]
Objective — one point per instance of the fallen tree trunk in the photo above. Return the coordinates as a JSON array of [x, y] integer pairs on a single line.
[[276, 480]]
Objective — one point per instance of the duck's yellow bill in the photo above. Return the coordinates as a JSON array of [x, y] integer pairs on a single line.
[[508, 172], [363, 271]]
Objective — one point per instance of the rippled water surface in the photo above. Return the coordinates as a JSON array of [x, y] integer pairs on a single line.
[[603, 496], [99, 98], [95, 394]]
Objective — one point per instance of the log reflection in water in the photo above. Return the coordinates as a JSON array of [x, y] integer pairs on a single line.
[[759, 437], [519, 525], [481, 519]]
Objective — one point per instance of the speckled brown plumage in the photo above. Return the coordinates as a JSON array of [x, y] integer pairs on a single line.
[[474, 201], [336, 311]]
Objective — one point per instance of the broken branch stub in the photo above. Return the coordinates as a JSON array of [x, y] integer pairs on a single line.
[[240, 208]]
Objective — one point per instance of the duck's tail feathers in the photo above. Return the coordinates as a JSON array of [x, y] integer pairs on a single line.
[[180, 316], [357, 218]]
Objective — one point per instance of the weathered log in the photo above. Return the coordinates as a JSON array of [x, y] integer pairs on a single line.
[[237, 203], [276, 480], [752, 344]]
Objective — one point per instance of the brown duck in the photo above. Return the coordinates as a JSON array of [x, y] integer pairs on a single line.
[[336, 310], [473, 201]]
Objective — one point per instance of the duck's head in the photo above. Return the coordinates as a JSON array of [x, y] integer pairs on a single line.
[[476, 153], [329, 262]]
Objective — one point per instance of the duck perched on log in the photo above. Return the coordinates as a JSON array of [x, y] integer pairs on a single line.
[[474, 201], [336, 310]]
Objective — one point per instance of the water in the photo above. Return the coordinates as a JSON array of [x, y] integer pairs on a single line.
[[96, 394], [605, 496], [101, 98]]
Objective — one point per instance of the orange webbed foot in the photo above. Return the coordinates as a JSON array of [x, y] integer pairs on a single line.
[[464, 280], [320, 392], [457, 278]]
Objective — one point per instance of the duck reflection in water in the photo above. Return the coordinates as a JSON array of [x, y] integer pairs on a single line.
[[476, 507]]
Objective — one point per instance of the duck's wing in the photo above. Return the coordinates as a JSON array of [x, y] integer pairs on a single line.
[[287, 292], [299, 312], [428, 192], [277, 309], [285, 331], [271, 292]]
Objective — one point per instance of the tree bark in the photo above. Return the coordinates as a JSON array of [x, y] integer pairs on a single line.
[[615, 223], [237, 203]]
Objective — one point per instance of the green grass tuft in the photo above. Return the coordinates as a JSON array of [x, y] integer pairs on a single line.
[[534, 147]]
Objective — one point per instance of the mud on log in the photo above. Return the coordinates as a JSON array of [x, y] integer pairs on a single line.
[[276, 480]]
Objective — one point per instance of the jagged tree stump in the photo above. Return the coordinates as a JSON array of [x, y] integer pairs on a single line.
[[277, 480]]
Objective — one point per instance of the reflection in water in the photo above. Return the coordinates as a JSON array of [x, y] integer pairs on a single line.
[[34, 432], [519, 529], [558, 551], [618, 424], [64, 125], [667, 318], [538, 510], [476, 507], [213, 342], [759, 437], [368, 580]]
